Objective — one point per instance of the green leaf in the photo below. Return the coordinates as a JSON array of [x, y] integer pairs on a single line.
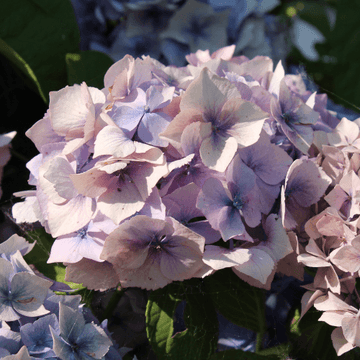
[[235, 299], [42, 32], [88, 66], [240, 355], [39, 255], [281, 352], [19, 63], [199, 340], [315, 342]]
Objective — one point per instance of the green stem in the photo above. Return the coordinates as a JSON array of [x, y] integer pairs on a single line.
[[19, 156], [259, 338]]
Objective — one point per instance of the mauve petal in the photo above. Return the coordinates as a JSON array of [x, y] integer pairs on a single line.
[[204, 229], [267, 160], [127, 247], [306, 182], [180, 262], [181, 203], [240, 177], [151, 125]]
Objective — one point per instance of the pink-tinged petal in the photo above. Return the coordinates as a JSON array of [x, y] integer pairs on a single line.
[[339, 342], [333, 318], [69, 109], [91, 183], [313, 249], [125, 253], [333, 303], [42, 133], [148, 153], [176, 127], [58, 173], [289, 265], [70, 217], [217, 152], [120, 204], [73, 247], [256, 67], [312, 261], [25, 211], [94, 275], [351, 329], [258, 271], [117, 76], [278, 75], [243, 120], [145, 177], [208, 93], [225, 53], [154, 207], [307, 301], [331, 226], [345, 133], [148, 276], [112, 140], [220, 258], [350, 183], [346, 258], [327, 278], [191, 138]]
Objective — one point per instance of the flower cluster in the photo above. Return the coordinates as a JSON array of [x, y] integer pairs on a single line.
[[158, 29], [134, 179], [329, 234], [37, 323]]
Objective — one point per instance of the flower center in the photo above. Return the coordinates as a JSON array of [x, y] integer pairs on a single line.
[[238, 202]]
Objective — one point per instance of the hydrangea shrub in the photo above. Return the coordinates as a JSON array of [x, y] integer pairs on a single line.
[[168, 174]]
